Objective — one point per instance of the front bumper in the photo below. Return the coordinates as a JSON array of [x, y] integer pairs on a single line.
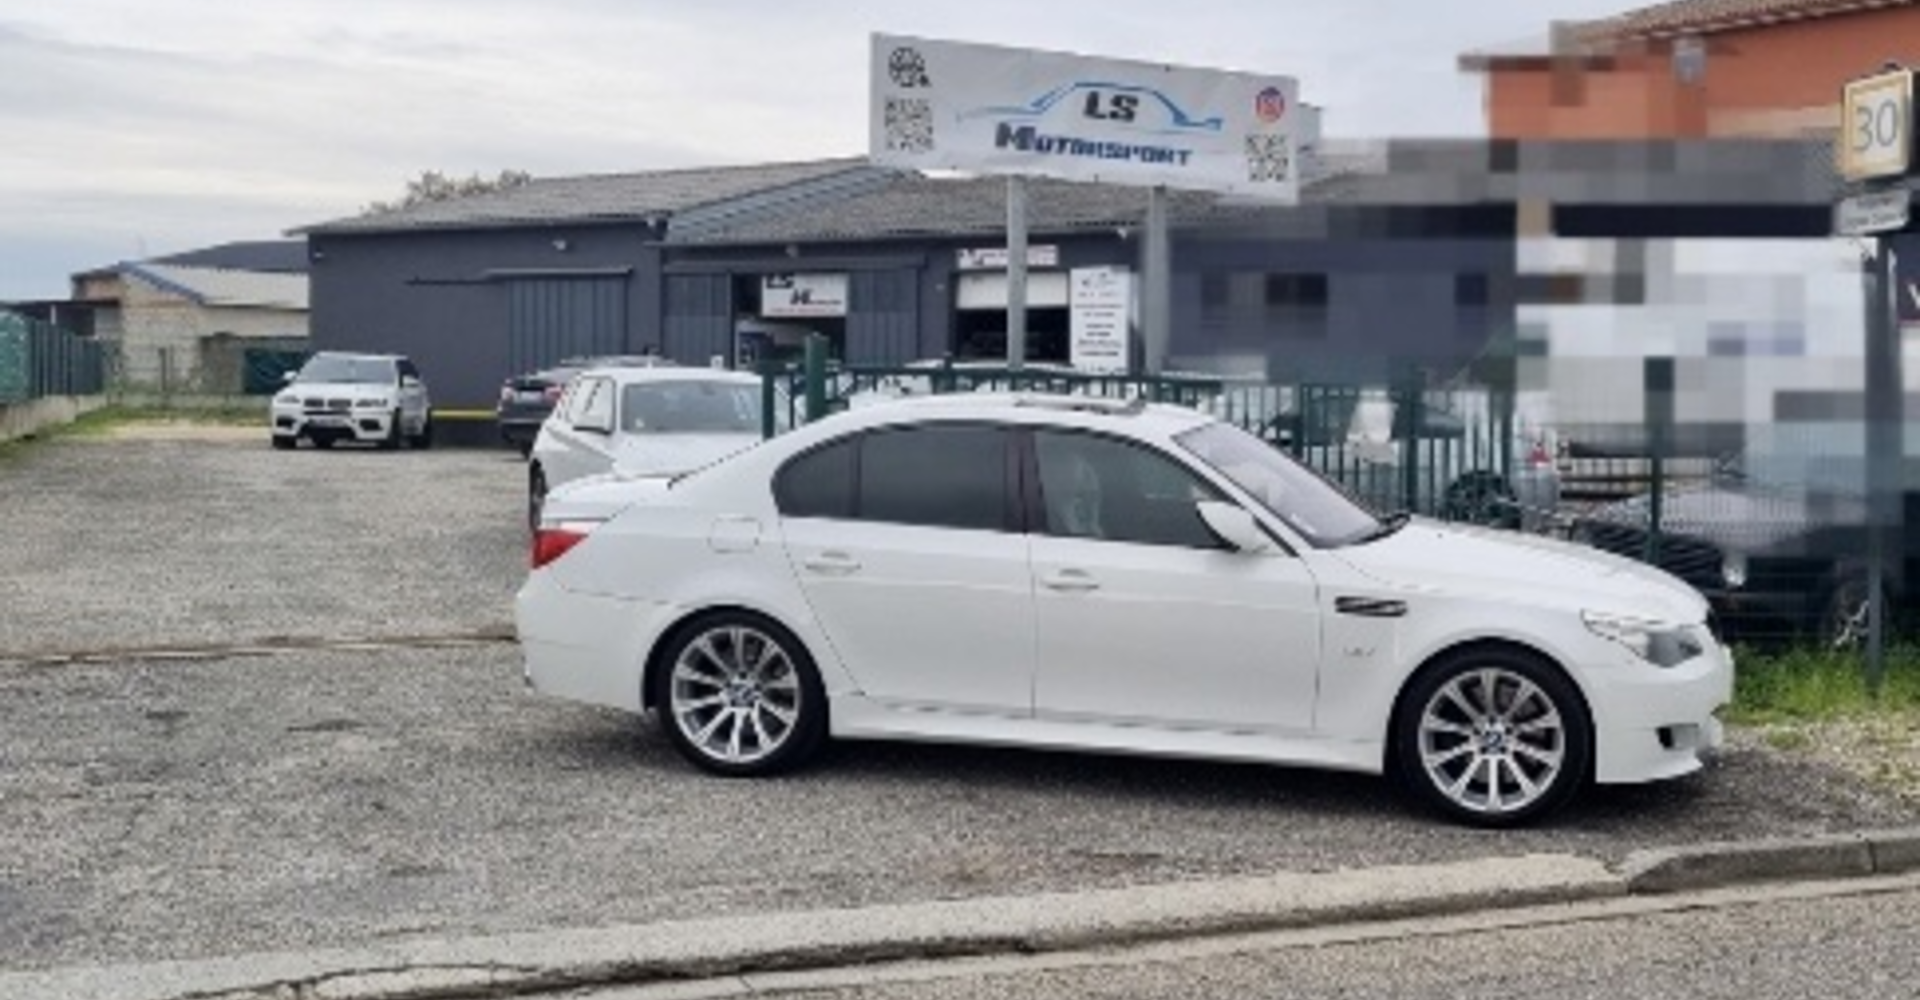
[[338, 425], [1653, 723]]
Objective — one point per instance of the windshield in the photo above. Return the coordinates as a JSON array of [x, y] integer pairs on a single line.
[[690, 407], [1310, 505], [334, 368]]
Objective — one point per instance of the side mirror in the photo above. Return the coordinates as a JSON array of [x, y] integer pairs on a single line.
[[1235, 526], [286, 378], [409, 382]]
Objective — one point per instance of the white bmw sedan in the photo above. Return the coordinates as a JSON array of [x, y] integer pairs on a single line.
[[1108, 576]]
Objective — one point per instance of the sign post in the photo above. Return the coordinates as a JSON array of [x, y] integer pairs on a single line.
[[940, 105], [1875, 155]]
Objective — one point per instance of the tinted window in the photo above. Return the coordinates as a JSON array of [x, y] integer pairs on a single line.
[[935, 476], [1100, 488], [818, 483], [338, 368], [407, 369]]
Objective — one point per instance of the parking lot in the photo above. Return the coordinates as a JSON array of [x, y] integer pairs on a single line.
[[158, 807]]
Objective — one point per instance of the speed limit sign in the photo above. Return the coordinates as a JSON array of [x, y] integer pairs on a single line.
[[1876, 133]]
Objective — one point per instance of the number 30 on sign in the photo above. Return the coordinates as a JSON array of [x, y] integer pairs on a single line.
[[1877, 139]]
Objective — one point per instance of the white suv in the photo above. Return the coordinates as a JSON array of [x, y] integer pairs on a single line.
[[368, 398]]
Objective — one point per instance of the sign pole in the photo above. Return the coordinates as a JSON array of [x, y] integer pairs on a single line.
[[1876, 158], [1156, 287], [1016, 272]]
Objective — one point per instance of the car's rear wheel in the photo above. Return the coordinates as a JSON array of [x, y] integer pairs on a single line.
[[1493, 737], [282, 442], [740, 696]]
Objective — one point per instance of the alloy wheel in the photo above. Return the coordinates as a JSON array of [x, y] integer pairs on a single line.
[[735, 695], [1492, 742]]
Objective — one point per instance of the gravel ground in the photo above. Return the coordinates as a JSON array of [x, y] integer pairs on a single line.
[[317, 798], [153, 810], [167, 535]]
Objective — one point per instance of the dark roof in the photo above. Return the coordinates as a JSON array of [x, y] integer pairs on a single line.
[[268, 256], [1413, 173], [911, 204], [637, 197]]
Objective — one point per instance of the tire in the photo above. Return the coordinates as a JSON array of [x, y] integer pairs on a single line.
[[787, 685], [536, 497], [1844, 615], [424, 439], [396, 434], [1544, 713], [1482, 498], [283, 443], [526, 449]]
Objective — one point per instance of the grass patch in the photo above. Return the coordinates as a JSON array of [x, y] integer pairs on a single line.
[[1821, 686], [103, 422]]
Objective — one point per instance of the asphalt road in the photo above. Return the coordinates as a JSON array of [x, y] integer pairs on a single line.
[[1854, 947], [176, 809]]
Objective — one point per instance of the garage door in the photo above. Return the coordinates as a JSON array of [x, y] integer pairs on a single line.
[[554, 318], [1045, 290], [699, 317]]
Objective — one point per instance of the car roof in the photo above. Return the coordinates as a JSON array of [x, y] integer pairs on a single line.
[[358, 355], [670, 373], [1134, 415]]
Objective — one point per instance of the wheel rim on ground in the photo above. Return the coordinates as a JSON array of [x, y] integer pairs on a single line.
[[735, 695], [1492, 741]]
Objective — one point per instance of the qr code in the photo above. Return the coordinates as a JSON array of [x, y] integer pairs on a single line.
[[909, 124], [1269, 159]]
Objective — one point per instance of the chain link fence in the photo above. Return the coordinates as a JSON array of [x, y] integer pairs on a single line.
[[38, 360]]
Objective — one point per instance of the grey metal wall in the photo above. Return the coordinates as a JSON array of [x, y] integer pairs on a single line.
[[883, 317], [698, 320], [445, 297], [553, 318]]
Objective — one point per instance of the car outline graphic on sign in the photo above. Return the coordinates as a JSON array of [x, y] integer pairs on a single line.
[[1180, 122]]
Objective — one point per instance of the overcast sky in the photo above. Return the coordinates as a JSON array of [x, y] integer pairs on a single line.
[[133, 128]]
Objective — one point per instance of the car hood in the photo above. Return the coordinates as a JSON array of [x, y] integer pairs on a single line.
[[670, 454], [1746, 520], [1521, 568]]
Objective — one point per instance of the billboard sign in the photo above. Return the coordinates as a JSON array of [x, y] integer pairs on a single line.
[[803, 295], [958, 106]]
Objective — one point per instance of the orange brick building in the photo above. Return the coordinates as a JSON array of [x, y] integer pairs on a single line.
[[1696, 68]]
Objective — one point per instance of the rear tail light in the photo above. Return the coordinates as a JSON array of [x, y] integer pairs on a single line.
[[553, 393], [551, 541], [1540, 456]]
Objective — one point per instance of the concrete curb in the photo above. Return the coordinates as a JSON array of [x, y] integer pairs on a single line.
[[524, 964]]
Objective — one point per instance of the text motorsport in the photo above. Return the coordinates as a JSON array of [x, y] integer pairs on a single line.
[[1028, 139]]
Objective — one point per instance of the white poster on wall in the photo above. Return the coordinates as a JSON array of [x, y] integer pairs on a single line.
[[796, 295], [1100, 309], [962, 106]]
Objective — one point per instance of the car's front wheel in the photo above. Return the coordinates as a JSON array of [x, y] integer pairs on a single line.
[[1493, 737], [740, 696]]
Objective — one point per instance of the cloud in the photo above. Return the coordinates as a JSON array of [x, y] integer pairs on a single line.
[[198, 119]]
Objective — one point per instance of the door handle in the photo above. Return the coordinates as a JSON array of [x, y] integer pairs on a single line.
[[832, 563], [1071, 581]]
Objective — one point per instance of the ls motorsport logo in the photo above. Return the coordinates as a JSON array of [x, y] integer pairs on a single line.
[[1135, 108]]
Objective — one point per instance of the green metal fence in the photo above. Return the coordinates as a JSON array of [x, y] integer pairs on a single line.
[[38, 360], [1392, 448]]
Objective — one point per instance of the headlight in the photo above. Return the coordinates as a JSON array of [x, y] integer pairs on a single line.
[[371, 404], [286, 399], [1658, 643], [1734, 571]]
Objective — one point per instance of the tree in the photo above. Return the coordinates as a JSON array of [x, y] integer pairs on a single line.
[[432, 185]]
